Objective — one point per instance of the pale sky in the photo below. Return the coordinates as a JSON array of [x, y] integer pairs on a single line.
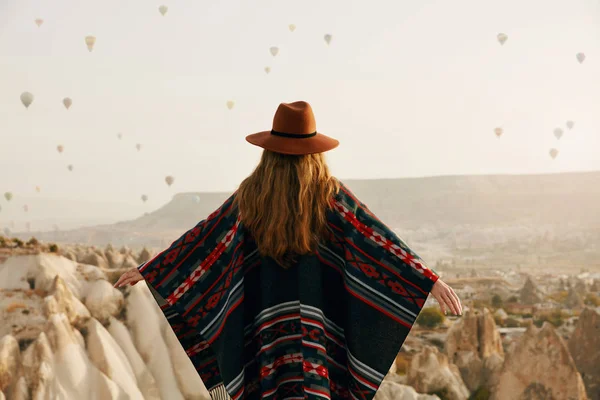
[[409, 89]]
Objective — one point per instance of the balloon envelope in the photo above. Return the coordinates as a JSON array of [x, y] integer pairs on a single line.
[[163, 9], [570, 124], [553, 153], [196, 199], [292, 27], [144, 198], [37, 189], [580, 57], [39, 22], [138, 146], [119, 135], [67, 102], [25, 208], [558, 133], [274, 51], [70, 167], [60, 148], [169, 179], [498, 131], [267, 69], [26, 99], [502, 37], [8, 196], [327, 38], [89, 42], [230, 104]]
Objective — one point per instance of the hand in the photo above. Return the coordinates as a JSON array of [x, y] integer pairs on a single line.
[[446, 297], [131, 277]]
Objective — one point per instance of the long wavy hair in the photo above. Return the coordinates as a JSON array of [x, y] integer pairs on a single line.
[[283, 204]]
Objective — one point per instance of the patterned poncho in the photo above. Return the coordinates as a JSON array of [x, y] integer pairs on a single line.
[[329, 327]]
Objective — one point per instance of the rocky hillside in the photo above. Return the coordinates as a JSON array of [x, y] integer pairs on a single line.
[[493, 207]]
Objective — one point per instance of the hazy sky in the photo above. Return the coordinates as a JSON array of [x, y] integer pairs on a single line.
[[409, 89]]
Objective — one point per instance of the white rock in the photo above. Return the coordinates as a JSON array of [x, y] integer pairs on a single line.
[[103, 300], [107, 356], [144, 321], [76, 376], [10, 360], [144, 378]]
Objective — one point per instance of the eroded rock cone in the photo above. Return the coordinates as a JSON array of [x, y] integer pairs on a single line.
[[539, 367], [115, 260], [94, 259], [144, 255], [530, 294], [62, 301], [430, 371], [574, 299], [10, 361], [584, 346], [470, 342]]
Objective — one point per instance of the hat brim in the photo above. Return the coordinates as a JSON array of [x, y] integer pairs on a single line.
[[315, 144]]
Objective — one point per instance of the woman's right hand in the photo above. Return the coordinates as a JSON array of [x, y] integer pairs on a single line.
[[447, 299]]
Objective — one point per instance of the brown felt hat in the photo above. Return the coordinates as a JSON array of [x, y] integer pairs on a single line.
[[294, 132]]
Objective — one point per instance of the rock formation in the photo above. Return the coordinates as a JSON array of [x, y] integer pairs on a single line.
[[530, 293], [474, 344], [584, 346], [390, 390], [66, 333], [538, 367], [430, 372], [574, 299]]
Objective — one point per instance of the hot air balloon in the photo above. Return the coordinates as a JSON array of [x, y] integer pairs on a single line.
[[169, 179], [70, 167], [39, 22], [26, 99], [60, 148], [89, 42], [120, 135], [274, 51], [267, 69], [144, 198], [553, 153], [38, 189], [327, 38], [570, 124], [502, 37], [163, 10], [498, 131], [67, 102], [25, 208], [230, 104], [558, 133], [138, 146], [196, 199], [292, 27], [8, 196], [580, 57]]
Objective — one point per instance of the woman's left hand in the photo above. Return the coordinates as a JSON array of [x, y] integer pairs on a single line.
[[131, 277]]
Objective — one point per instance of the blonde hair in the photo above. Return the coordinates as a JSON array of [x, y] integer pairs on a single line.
[[283, 204]]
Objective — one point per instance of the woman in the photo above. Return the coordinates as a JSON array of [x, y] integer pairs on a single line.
[[292, 289]]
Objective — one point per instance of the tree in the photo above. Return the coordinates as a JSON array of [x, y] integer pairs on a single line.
[[497, 301], [430, 317]]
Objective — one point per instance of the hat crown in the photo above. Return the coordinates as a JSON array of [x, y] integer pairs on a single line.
[[294, 118]]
